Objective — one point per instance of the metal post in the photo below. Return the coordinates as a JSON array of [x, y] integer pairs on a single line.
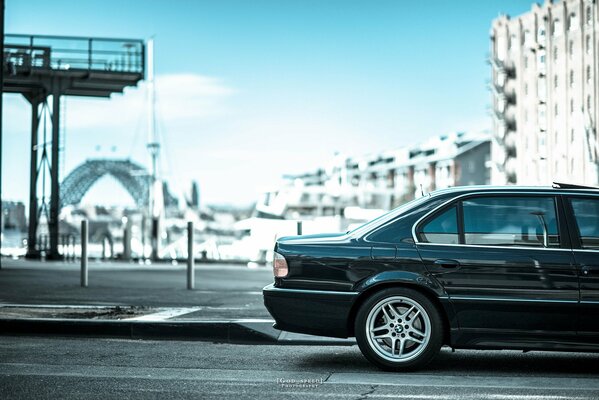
[[84, 253], [143, 238], [32, 228], [299, 227], [53, 227], [89, 54], [190, 260], [127, 241], [1, 91]]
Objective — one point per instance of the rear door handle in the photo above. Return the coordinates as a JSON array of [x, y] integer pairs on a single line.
[[447, 263]]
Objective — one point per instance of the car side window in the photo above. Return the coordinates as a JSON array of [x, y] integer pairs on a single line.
[[586, 212], [442, 229], [511, 221]]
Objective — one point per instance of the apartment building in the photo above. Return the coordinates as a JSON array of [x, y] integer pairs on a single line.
[[545, 85], [387, 179]]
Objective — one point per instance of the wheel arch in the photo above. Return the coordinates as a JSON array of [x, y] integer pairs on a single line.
[[373, 289]]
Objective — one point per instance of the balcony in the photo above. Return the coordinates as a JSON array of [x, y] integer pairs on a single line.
[[93, 66]]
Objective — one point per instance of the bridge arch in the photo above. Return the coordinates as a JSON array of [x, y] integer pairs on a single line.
[[134, 178]]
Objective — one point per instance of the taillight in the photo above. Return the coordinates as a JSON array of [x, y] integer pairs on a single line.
[[279, 266]]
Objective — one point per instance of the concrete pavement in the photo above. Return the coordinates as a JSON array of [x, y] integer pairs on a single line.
[[127, 300]]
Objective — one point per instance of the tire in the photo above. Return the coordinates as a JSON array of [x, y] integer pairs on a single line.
[[416, 340]]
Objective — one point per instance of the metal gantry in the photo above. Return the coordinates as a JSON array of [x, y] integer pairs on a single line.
[[40, 67]]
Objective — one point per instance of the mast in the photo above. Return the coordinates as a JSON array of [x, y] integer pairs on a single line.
[[155, 192]]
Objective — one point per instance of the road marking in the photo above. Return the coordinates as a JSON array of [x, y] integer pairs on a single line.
[[164, 314]]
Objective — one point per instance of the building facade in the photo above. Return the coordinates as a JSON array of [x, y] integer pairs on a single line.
[[545, 85], [390, 178]]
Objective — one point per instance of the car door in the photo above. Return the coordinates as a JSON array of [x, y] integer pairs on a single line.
[[584, 221], [505, 263]]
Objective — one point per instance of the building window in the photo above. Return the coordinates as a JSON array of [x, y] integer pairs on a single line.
[[542, 89], [571, 135], [589, 16], [571, 106], [571, 48], [541, 114], [555, 54], [587, 44], [555, 81], [542, 59], [500, 48], [557, 27], [588, 74], [555, 111], [571, 81], [526, 89], [573, 22], [528, 40], [541, 35], [511, 41]]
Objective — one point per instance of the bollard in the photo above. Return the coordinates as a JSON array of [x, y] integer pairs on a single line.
[[190, 260], [299, 228], [84, 253], [127, 241]]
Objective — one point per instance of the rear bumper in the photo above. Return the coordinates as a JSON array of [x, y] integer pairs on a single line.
[[314, 312]]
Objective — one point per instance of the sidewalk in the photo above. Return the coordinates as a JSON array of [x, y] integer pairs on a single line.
[[141, 302]]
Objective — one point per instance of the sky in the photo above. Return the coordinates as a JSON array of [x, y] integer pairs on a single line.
[[250, 90]]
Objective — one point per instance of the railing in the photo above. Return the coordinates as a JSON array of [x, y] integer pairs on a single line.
[[28, 52]]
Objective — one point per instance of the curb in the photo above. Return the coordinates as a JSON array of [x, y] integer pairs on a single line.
[[230, 331]]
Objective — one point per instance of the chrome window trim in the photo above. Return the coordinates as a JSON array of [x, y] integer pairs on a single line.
[[494, 247], [494, 192]]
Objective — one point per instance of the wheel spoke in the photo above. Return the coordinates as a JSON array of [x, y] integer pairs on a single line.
[[380, 335], [392, 313], [401, 347], [387, 315], [413, 339], [408, 312], [418, 332]]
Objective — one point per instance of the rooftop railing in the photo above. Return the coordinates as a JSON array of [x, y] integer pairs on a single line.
[[29, 52]]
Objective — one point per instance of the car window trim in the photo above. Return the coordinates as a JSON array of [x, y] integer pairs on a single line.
[[563, 231], [574, 229]]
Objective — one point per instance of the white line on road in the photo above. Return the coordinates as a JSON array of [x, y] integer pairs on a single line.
[[164, 314]]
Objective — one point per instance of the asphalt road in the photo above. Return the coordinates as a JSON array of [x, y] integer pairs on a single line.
[[68, 368]]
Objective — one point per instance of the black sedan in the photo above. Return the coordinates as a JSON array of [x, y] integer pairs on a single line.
[[475, 267]]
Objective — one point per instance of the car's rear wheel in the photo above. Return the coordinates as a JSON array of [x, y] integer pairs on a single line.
[[399, 329]]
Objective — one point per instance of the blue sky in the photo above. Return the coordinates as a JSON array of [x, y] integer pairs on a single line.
[[251, 90]]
